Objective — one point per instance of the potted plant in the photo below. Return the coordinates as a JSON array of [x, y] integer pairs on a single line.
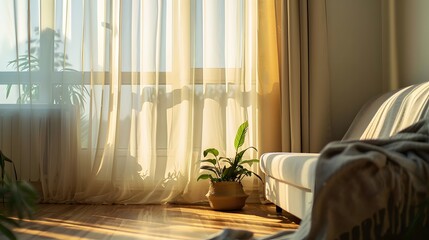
[[226, 191]]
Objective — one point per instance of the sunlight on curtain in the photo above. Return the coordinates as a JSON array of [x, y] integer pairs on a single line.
[[294, 76], [132, 92]]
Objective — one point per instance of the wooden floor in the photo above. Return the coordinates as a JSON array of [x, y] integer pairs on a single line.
[[58, 221]]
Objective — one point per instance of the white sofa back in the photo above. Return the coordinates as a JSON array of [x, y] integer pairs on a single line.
[[390, 113]]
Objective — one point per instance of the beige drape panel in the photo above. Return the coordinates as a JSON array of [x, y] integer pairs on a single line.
[[293, 75]]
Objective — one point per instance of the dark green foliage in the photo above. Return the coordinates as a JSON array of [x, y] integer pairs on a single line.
[[19, 199], [222, 169]]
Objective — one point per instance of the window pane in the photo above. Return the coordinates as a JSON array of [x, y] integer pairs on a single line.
[[218, 28], [23, 93], [152, 39], [14, 37], [68, 35], [83, 30]]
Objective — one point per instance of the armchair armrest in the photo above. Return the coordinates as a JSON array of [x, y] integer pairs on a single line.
[[297, 169]]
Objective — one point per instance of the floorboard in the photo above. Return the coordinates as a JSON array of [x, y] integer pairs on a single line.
[[170, 221]]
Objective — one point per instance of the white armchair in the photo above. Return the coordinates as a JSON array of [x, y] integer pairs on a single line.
[[289, 177]]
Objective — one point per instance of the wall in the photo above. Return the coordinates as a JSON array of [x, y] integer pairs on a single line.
[[374, 47], [354, 36], [412, 33]]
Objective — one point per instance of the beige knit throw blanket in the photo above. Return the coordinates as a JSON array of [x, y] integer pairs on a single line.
[[368, 189]]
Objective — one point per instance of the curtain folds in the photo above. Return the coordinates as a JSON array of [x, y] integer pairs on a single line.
[[131, 93], [294, 75]]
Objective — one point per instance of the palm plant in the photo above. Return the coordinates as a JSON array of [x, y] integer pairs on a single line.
[[224, 169], [30, 62]]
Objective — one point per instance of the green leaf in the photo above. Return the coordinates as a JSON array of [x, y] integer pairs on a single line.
[[205, 167], [8, 88], [211, 169], [229, 173], [257, 176], [20, 197], [212, 161], [213, 151], [204, 176], [239, 155], [241, 135], [228, 160], [250, 162]]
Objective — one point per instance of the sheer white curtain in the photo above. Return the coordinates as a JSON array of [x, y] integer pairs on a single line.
[[114, 101]]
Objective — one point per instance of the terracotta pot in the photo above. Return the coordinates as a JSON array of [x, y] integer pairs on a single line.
[[226, 196]]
